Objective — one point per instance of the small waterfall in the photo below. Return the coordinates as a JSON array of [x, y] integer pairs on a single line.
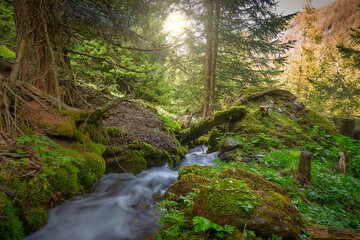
[[121, 207]]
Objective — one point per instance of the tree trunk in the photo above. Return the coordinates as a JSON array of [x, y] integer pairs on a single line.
[[208, 56], [212, 39], [40, 53], [304, 168], [215, 42], [348, 127]]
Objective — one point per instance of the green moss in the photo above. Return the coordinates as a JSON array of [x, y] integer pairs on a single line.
[[254, 181], [51, 175], [129, 161], [10, 226], [203, 171], [205, 125], [240, 198], [187, 184], [226, 198], [65, 128], [91, 169], [157, 157], [171, 125], [116, 132], [277, 210], [86, 144], [96, 132], [7, 53], [74, 115], [311, 119], [215, 136], [64, 180], [35, 192], [34, 218]]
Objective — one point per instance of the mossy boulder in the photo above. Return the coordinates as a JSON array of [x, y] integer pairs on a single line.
[[229, 144], [10, 225], [42, 175], [274, 119], [187, 184], [129, 161], [203, 171], [64, 180], [239, 198], [91, 169], [140, 139]]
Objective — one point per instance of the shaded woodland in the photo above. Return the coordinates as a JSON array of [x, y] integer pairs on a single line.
[[89, 88]]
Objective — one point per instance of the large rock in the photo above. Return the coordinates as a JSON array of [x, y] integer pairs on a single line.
[[229, 144], [240, 199], [139, 139]]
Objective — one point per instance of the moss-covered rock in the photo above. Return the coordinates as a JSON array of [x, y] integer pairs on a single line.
[[285, 123], [137, 156], [229, 144], [226, 200], [10, 226], [239, 198], [203, 171], [91, 169], [64, 180], [129, 161], [34, 218], [187, 184], [47, 175], [141, 133]]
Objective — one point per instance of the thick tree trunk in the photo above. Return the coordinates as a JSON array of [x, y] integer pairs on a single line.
[[212, 39], [40, 54]]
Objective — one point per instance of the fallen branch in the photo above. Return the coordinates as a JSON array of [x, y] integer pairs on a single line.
[[197, 130], [7, 191], [97, 114]]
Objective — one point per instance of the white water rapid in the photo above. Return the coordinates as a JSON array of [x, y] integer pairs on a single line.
[[121, 208]]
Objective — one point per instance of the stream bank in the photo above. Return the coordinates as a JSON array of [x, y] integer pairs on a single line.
[[123, 205]]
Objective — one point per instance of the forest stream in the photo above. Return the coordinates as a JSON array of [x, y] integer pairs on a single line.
[[121, 207]]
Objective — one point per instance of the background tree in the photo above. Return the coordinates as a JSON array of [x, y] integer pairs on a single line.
[[239, 44], [7, 29], [305, 66]]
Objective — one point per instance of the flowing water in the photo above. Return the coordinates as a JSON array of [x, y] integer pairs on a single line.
[[122, 206]]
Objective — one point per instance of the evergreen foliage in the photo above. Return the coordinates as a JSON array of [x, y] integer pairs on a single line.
[[242, 43]]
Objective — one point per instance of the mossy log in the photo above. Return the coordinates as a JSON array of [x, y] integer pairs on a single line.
[[202, 127], [270, 92]]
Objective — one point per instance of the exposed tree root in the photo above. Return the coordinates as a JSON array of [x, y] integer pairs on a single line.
[[17, 110]]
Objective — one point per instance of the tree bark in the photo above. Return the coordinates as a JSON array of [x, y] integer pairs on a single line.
[[212, 39], [40, 53]]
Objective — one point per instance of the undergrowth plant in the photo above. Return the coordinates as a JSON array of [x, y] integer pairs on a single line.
[[331, 198]]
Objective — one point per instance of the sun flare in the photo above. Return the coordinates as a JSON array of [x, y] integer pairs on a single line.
[[175, 24]]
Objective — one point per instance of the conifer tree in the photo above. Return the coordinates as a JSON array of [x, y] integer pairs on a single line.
[[239, 44]]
